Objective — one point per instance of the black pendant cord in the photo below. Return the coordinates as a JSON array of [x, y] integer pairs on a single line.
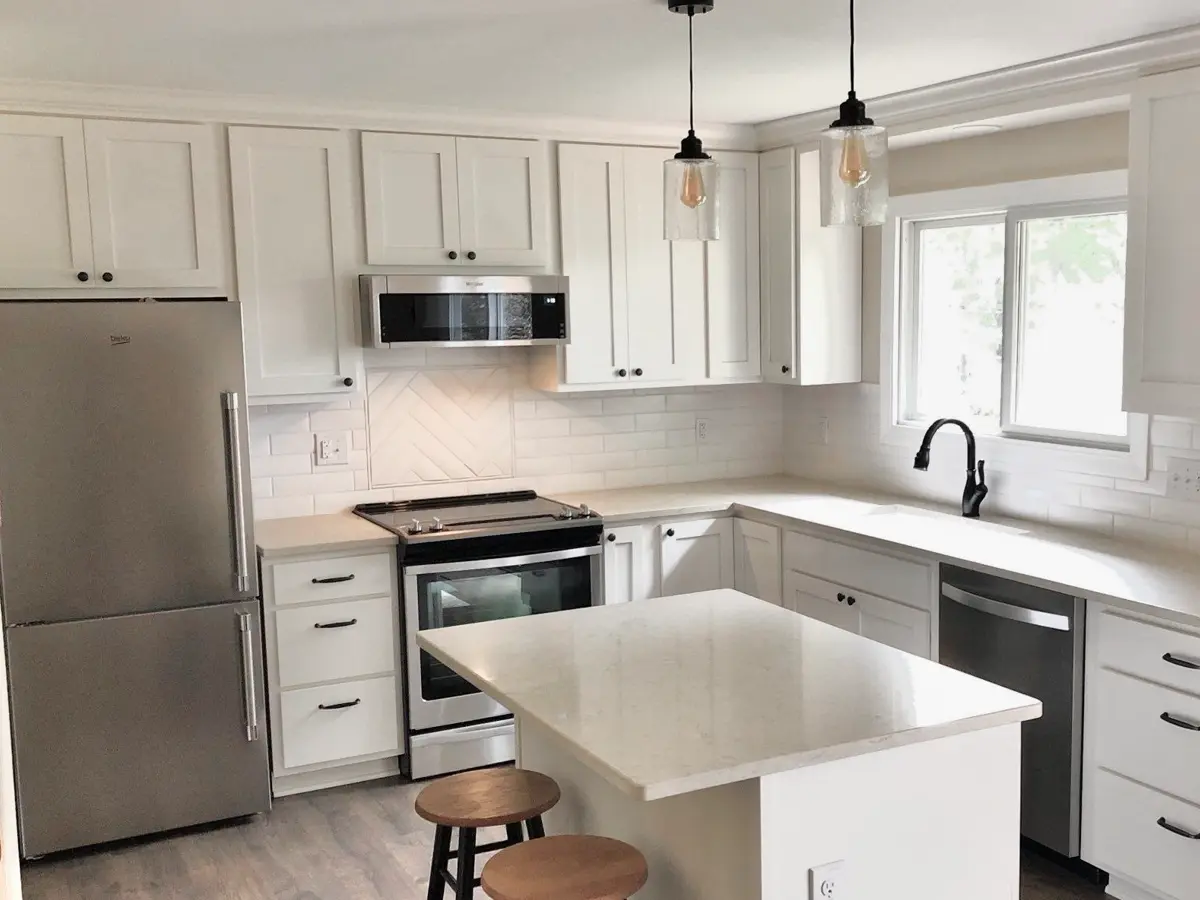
[[852, 48], [692, 75]]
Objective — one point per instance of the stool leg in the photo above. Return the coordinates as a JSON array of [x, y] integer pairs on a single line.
[[514, 832], [441, 858], [535, 828], [466, 863]]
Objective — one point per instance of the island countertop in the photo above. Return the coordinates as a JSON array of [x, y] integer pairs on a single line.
[[678, 694]]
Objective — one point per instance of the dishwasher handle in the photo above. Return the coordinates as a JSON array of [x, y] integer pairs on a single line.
[[1003, 610]]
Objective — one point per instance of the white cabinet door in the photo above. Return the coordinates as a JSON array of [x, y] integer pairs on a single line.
[[893, 624], [757, 560], [503, 196], [1162, 299], [696, 556], [818, 600], [154, 189], [45, 232], [628, 565], [777, 252], [734, 344], [410, 198], [295, 259], [592, 212], [665, 281]]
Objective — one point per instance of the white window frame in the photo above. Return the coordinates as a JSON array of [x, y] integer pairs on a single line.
[[1015, 446]]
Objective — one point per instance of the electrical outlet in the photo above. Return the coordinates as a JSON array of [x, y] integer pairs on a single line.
[[332, 447], [1183, 478], [702, 431], [825, 882]]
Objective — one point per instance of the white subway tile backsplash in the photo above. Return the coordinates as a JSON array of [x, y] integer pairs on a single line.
[[324, 483], [543, 465], [337, 420], [260, 487], [292, 464], [1080, 519], [1116, 501], [604, 462], [284, 507], [636, 404], [627, 478], [541, 428], [601, 424], [1178, 512], [665, 421], [674, 456], [1170, 433], [567, 446], [565, 409], [636, 440], [290, 443]]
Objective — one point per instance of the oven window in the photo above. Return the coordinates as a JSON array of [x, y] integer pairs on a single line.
[[498, 592]]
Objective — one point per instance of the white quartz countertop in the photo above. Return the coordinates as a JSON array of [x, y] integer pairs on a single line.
[[319, 534], [678, 694], [1157, 582]]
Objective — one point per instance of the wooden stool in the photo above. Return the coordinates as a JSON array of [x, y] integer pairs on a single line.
[[480, 799], [566, 867]]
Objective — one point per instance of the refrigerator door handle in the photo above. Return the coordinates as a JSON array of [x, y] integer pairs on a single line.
[[248, 686], [231, 402]]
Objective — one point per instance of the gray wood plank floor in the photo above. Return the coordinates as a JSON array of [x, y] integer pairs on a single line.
[[357, 843]]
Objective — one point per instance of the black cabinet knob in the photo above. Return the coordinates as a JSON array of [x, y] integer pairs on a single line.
[[637, 372], [107, 276], [82, 276], [670, 532], [612, 538], [621, 373], [348, 382], [453, 254], [471, 255], [850, 601], [786, 369], [841, 598]]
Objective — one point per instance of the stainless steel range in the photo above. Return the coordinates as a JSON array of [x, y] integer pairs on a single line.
[[474, 559]]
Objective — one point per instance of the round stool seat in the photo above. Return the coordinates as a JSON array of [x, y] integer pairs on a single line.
[[566, 867], [487, 797]]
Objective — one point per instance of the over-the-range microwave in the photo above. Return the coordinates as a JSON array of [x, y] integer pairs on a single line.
[[463, 311]]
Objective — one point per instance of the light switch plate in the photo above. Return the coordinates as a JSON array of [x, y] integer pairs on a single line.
[[1183, 478], [825, 882], [332, 448]]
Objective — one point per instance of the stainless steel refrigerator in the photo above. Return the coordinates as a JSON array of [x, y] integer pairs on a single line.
[[127, 575]]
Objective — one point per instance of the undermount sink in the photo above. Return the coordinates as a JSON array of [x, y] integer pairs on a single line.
[[917, 518]]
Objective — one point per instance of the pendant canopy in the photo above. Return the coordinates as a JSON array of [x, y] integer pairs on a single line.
[[691, 179], [854, 162]]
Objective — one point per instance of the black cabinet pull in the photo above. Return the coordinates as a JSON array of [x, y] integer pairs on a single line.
[[348, 382], [637, 372], [850, 601], [453, 254], [612, 538], [841, 598], [621, 373], [1175, 829], [786, 369], [1182, 663], [345, 624], [83, 276], [345, 705], [670, 532], [471, 255], [1179, 723], [337, 579], [107, 276]]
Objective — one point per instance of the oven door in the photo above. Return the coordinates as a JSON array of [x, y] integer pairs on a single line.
[[441, 595]]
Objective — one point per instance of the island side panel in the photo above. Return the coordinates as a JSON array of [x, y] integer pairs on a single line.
[[932, 821], [699, 846]]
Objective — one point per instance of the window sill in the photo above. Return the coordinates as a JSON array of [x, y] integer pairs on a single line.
[[1017, 454]]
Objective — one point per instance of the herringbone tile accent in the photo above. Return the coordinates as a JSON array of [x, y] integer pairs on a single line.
[[435, 425]]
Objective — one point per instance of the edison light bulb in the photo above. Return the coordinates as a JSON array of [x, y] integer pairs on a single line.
[[855, 167], [692, 194]]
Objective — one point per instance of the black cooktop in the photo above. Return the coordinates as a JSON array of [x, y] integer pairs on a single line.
[[474, 515]]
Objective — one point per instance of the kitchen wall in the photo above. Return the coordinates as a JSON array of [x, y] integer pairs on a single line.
[[849, 415], [465, 420]]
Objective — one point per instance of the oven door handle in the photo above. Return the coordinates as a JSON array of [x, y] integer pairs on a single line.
[[1006, 610], [506, 562]]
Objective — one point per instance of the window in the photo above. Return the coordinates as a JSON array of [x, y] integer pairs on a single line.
[[1013, 319]]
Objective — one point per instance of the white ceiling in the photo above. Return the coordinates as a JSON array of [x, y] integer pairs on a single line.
[[620, 59]]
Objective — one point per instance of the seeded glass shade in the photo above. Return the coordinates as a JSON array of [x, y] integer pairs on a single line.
[[691, 200], [854, 175]]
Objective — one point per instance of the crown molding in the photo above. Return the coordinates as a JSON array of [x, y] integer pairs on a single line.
[[1089, 76], [121, 102]]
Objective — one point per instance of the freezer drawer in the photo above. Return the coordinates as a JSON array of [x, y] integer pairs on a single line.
[[137, 724]]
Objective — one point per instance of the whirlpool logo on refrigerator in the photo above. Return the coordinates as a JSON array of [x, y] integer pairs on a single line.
[[116, 340]]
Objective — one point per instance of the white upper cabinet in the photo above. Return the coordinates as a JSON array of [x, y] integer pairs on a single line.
[[433, 201], [811, 278], [153, 189], [1162, 299], [734, 345], [108, 204], [293, 231]]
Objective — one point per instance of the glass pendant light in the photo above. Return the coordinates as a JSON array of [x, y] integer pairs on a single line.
[[854, 162], [691, 179]]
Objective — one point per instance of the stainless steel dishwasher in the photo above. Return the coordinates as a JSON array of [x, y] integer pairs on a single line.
[[1029, 640]]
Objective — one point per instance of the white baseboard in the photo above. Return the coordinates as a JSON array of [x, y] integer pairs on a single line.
[[1131, 890], [286, 785]]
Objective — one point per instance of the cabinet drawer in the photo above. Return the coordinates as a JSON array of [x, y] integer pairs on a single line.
[[886, 576], [313, 735], [1160, 654], [338, 640], [1132, 738], [1126, 836], [332, 579]]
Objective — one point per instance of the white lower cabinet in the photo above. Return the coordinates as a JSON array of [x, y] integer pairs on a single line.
[[629, 564], [333, 669], [757, 560], [1141, 790], [696, 555], [872, 617]]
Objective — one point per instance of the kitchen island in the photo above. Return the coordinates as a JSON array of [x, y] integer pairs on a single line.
[[738, 745]]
